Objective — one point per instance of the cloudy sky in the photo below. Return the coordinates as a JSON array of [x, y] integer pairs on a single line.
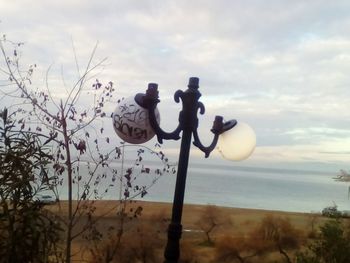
[[282, 66]]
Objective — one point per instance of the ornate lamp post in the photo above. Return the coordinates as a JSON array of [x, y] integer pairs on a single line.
[[136, 121]]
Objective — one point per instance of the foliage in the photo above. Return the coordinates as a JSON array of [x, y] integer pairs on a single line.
[[277, 233], [188, 252], [312, 220], [72, 123], [343, 176], [139, 242], [140, 246], [28, 233], [128, 239], [236, 249], [211, 220], [271, 234], [65, 122], [333, 245], [331, 211]]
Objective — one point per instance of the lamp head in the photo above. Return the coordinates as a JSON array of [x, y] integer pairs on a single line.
[[237, 141], [131, 121]]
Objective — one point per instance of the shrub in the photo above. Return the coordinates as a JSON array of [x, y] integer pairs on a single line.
[[28, 233], [139, 244], [188, 252], [236, 249], [333, 245], [211, 219], [331, 211], [276, 234]]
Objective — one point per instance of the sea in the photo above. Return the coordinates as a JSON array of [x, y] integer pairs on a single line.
[[241, 187]]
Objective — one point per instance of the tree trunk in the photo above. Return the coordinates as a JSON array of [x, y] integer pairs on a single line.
[[284, 253], [70, 192]]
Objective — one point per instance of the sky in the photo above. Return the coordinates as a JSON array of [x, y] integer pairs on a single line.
[[280, 66]]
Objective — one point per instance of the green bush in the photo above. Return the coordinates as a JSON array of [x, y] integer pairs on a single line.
[[28, 233], [333, 245], [331, 211]]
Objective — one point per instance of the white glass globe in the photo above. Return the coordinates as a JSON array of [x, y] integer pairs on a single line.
[[131, 122], [237, 143]]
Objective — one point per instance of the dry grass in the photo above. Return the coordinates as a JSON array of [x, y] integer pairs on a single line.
[[157, 215]]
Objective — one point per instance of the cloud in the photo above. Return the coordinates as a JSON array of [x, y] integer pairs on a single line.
[[280, 65]]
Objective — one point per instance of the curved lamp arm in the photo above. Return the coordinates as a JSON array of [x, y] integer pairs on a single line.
[[218, 128], [150, 101], [207, 150]]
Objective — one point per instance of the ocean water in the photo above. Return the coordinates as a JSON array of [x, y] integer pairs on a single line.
[[247, 189], [271, 189]]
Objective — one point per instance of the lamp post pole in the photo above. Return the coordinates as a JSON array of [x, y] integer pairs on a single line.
[[188, 124], [172, 249]]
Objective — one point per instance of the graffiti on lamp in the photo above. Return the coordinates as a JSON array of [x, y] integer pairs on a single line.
[[131, 121], [134, 114]]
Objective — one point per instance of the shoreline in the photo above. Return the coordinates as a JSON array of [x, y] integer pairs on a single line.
[[243, 217], [110, 202]]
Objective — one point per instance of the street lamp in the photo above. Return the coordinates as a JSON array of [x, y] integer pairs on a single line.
[[137, 120]]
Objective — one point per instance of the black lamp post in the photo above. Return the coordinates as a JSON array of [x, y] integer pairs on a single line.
[[188, 124]]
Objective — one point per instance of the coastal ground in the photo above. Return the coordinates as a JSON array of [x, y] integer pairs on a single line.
[[155, 217]]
